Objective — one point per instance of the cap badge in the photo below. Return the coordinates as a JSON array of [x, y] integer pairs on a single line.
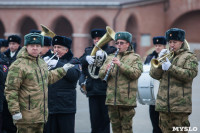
[[118, 34], [10, 38], [55, 39], [96, 32], [34, 38], [157, 40], [170, 34]]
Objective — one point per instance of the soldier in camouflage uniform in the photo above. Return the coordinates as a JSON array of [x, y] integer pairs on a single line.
[[174, 101], [122, 83], [26, 86]]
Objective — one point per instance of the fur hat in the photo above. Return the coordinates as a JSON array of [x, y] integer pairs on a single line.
[[47, 41], [14, 38], [62, 40], [97, 33], [35, 31], [34, 38], [124, 36], [159, 40], [175, 34], [3, 43]]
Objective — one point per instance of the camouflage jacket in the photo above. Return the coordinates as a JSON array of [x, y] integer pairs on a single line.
[[27, 85], [123, 80], [175, 90]]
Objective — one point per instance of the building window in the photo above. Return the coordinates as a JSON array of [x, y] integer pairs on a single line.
[[145, 40]]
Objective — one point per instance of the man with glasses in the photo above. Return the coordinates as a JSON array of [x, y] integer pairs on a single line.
[[122, 83], [174, 99]]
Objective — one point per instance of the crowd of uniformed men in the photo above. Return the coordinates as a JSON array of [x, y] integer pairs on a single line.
[[38, 93]]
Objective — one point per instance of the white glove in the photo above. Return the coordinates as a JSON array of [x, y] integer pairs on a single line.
[[90, 59], [52, 63], [100, 53], [46, 58], [166, 65], [17, 116], [67, 66], [162, 52]]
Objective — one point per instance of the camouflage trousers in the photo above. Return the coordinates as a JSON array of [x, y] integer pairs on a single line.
[[121, 118], [173, 122], [30, 128]]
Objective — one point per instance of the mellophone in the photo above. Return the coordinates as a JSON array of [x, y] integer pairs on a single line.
[[147, 87]]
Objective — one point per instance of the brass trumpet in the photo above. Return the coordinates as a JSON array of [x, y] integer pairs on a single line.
[[47, 32], [56, 54], [158, 62]]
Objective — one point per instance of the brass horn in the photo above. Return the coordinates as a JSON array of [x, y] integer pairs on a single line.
[[158, 62], [47, 32], [108, 36]]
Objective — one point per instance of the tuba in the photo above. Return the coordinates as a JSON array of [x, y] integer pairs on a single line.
[[93, 68]]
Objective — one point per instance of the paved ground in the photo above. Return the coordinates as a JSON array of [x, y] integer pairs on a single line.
[[141, 121]]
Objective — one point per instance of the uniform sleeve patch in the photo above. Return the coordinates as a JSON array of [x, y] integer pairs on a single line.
[[5, 68]]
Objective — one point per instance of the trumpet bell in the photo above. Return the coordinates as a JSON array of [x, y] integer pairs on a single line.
[[108, 36], [47, 32], [155, 63]]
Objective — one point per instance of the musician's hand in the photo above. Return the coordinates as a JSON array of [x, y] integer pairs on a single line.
[[166, 65], [162, 52], [107, 67], [116, 61], [52, 63], [90, 59], [46, 58], [17, 116], [100, 53], [67, 66]]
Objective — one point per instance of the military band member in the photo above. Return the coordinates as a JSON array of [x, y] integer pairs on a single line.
[[46, 49], [14, 42], [26, 86], [3, 73], [96, 89], [174, 99], [122, 83], [3, 45], [159, 44], [62, 94]]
